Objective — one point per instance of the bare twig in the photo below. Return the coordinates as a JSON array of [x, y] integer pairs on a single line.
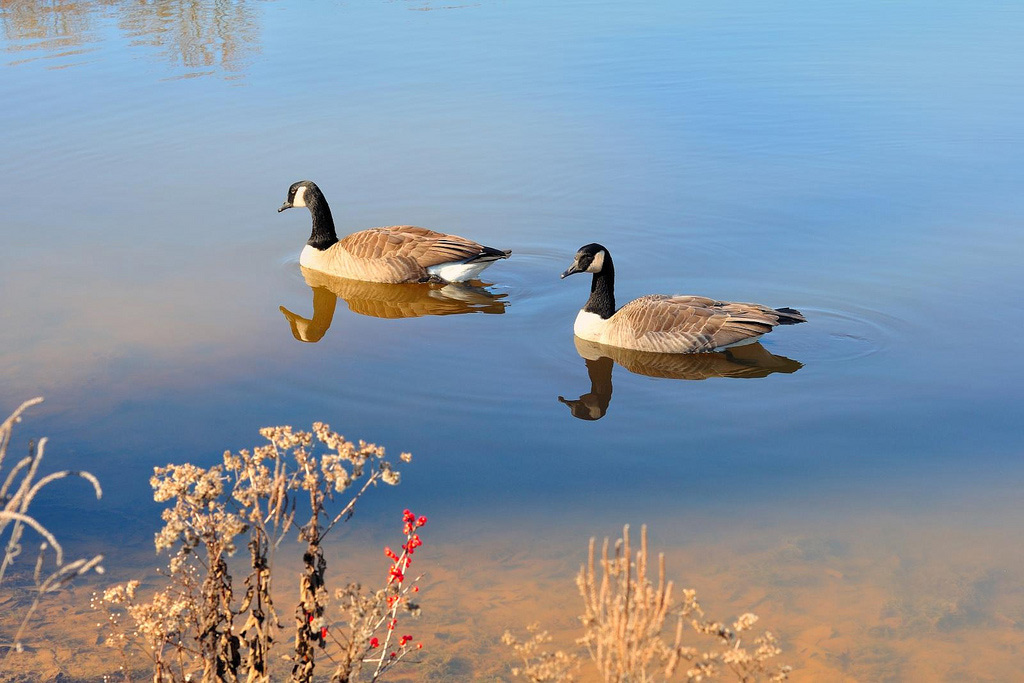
[[18, 492]]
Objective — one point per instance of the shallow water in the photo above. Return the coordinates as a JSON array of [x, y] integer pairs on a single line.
[[859, 162]]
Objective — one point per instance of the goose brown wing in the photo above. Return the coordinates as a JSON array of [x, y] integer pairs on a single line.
[[420, 245], [686, 324]]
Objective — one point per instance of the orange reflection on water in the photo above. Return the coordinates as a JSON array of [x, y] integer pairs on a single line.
[[385, 301], [917, 602], [748, 361], [926, 604]]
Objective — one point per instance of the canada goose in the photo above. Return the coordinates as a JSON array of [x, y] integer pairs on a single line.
[[665, 324], [400, 253]]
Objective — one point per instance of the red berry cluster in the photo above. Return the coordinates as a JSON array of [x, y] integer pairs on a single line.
[[396, 576], [401, 563], [412, 522]]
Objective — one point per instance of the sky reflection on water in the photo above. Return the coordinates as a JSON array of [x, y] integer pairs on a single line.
[[854, 161]]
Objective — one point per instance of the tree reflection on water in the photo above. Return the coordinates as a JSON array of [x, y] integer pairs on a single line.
[[197, 37]]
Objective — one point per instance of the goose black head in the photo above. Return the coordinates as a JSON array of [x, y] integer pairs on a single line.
[[306, 193], [299, 194], [589, 259]]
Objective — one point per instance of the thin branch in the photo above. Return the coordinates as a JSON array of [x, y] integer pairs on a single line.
[[14, 472], [25, 519], [5, 428], [88, 476], [352, 503]]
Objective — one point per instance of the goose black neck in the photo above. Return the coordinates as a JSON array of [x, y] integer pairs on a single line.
[[602, 291], [323, 235]]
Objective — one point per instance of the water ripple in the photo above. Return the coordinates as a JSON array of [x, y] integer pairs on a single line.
[[842, 333]]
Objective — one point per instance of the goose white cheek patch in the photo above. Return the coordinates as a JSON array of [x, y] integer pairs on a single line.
[[597, 264], [300, 196]]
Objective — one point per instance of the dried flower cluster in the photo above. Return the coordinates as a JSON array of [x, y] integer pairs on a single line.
[[628, 631], [541, 665], [194, 628], [17, 491]]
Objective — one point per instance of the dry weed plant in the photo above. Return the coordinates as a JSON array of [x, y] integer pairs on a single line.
[[194, 627], [634, 629], [541, 665], [18, 490]]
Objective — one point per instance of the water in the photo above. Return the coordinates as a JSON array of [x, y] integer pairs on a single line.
[[859, 162]]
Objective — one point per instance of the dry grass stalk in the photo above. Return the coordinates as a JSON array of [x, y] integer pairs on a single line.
[[190, 627], [634, 629], [16, 495], [624, 615]]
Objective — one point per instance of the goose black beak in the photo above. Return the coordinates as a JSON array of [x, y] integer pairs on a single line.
[[569, 271], [284, 206]]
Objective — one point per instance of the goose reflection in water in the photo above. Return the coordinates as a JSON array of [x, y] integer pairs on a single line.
[[386, 301], [748, 361]]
